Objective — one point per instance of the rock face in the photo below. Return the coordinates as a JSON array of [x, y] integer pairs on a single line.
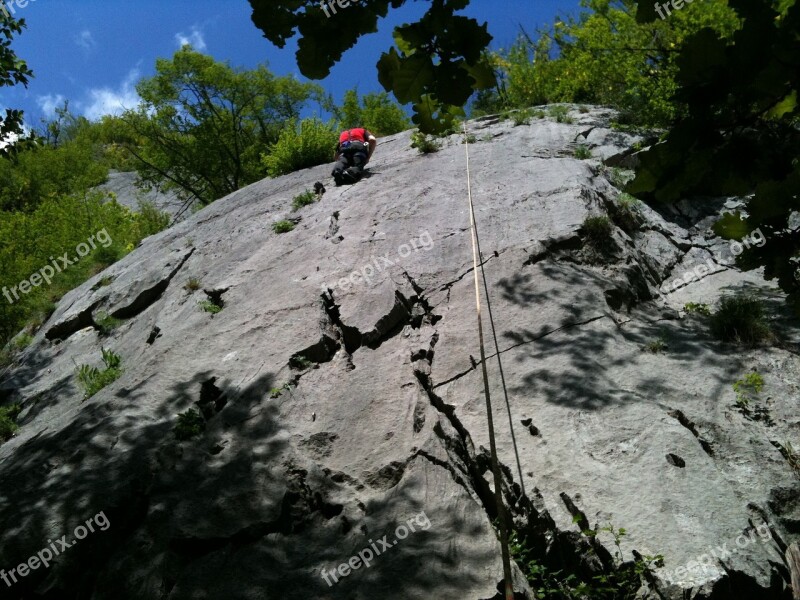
[[124, 186], [343, 401]]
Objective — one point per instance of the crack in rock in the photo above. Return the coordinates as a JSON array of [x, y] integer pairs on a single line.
[[688, 424], [151, 295]]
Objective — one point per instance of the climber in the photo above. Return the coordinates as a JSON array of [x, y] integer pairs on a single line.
[[352, 153]]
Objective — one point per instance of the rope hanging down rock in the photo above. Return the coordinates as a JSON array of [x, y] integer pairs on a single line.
[[498, 492]]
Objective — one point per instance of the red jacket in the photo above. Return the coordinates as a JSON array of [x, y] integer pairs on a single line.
[[359, 134]]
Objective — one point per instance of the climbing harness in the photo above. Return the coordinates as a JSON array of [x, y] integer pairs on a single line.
[[501, 511]]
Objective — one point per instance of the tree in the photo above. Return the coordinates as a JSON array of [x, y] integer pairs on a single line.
[[202, 126], [13, 71], [739, 135], [436, 63], [604, 56], [376, 112]]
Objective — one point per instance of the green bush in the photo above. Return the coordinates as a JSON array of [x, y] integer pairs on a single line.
[[93, 379], [313, 144], [424, 143], [376, 112], [8, 424], [740, 319], [598, 232], [149, 220], [582, 152], [560, 113], [282, 226], [190, 424], [304, 199], [626, 212]]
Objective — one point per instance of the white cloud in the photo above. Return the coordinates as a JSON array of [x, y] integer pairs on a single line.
[[194, 39], [85, 40], [105, 101], [50, 103]]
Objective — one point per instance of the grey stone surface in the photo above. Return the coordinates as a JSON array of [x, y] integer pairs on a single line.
[[124, 186], [385, 419]]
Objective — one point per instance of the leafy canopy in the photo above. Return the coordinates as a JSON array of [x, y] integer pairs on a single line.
[[436, 63], [739, 134]]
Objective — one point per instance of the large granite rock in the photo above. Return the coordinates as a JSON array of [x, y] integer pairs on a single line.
[[343, 399]]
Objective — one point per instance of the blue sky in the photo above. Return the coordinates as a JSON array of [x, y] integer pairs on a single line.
[[92, 52]]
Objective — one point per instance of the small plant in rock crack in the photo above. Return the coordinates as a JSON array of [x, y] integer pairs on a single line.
[[277, 391], [621, 582], [192, 284], [304, 199], [8, 421], [748, 390], [300, 362], [619, 178], [560, 114], [190, 425], [583, 152], [93, 379], [626, 212], [106, 324], [210, 306], [470, 138], [697, 308], [583, 109], [656, 346], [424, 143], [282, 226]]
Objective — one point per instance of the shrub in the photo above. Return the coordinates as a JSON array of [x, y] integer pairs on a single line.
[[8, 424], [304, 199], [424, 143], [150, 220], [190, 424], [560, 113], [740, 319], [22, 341], [282, 226], [700, 309], [311, 145], [582, 152], [93, 380], [598, 232], [656, 346]]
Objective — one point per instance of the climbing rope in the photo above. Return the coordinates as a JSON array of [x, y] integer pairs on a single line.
[[498, 492]]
